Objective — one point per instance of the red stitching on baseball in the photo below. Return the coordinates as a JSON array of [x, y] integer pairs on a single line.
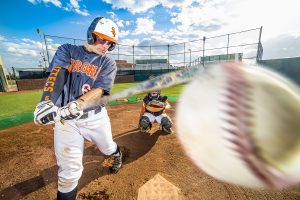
[[238, 98]]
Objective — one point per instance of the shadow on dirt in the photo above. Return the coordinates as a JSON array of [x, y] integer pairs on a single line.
[[134, 145]]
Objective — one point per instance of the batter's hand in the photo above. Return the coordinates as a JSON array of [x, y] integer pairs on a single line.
[[45, 113], [70, 111]]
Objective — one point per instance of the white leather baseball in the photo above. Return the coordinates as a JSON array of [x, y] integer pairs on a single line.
[[241, 124]]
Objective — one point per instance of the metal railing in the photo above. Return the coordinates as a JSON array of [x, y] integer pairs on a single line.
[[246, 45]]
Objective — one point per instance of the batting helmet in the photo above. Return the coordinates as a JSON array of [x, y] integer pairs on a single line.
[[103, 28]]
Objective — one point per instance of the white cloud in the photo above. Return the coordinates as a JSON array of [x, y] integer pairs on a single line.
[[82, 12], [76, 7], [118, 21], [123, 33], [127, 23], [57, 3], [138, 6], [134, 6], [72, 6], [112, 15], [21, 52], [26, 48], [130, 41], [144, 26], [32, 1], [74, 3], [282, 46], [2, 38]]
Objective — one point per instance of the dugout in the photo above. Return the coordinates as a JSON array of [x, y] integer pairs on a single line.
[[3, 80], [32, 73]]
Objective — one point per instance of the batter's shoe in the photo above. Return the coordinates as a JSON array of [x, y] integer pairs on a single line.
[[117, 161], [67, 196]]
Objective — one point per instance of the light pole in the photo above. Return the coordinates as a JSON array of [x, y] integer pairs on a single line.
[[42, 53]]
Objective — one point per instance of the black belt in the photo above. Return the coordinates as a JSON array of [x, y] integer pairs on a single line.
[[155, 113], [91, 112]]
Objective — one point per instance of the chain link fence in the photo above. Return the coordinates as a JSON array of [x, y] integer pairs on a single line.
[[243, 45]]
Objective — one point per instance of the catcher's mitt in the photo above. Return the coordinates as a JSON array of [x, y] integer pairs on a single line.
[[155, 106]]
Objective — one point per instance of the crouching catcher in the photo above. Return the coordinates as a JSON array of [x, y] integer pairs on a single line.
[[153, 110]]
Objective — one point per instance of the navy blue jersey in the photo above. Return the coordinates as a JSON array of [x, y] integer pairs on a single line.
[[81, 68]]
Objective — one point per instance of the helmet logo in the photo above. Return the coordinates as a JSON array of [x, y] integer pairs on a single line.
[[113, 31]]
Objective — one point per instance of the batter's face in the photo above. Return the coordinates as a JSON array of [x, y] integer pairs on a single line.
[[101, 45]]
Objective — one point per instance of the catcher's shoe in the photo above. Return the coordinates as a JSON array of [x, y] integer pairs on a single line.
[[167, 130], [117, 162], [144, 130]]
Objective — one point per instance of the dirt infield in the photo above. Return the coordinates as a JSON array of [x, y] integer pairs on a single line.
[[28, 169]]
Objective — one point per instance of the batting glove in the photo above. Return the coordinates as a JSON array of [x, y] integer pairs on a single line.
[[45, 113], [70, 111]]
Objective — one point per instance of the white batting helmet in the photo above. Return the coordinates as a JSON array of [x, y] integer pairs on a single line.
[[103, 28]]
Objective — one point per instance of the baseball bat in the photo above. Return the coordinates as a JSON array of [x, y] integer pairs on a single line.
[[160, 82]]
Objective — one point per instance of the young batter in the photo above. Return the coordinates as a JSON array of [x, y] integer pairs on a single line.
[[78, 75]]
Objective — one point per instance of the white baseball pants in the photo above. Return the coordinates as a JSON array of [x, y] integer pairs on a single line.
[[69, 145]]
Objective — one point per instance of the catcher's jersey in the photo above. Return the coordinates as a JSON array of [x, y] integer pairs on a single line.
[[85, 69]]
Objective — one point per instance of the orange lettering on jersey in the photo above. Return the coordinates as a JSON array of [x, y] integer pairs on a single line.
[[51, 79], [71, 67], [77, 65], [84, 67], [47, 98], [92, 71]]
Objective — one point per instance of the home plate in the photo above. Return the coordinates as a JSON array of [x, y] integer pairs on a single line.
[[159, 188]]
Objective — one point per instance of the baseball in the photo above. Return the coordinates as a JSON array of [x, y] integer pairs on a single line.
[[240, 124]]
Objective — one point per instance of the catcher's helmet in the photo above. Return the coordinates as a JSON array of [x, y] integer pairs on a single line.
[[103, 28], [154, 94]]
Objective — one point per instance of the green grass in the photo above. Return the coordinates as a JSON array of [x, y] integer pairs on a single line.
[[25, 102], [16, 103], [171, 91]]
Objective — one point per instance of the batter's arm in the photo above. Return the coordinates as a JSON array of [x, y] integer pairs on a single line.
[[59, 70], [54, 84], [92, 97]]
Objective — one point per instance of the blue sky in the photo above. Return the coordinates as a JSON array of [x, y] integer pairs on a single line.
[[144, 22]]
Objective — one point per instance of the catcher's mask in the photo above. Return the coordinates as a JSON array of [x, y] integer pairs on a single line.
[[154, 94]]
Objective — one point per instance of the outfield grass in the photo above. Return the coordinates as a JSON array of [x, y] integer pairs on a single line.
[[19, 102], [23, 102]]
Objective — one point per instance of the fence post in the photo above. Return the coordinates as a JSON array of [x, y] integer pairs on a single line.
[[133, 55], [168, 57], [227, 45], [47, 49], [184, 54], [258, 54], [190, 57], [118, 52], [14, 73], [204, 38], [150, 58]]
